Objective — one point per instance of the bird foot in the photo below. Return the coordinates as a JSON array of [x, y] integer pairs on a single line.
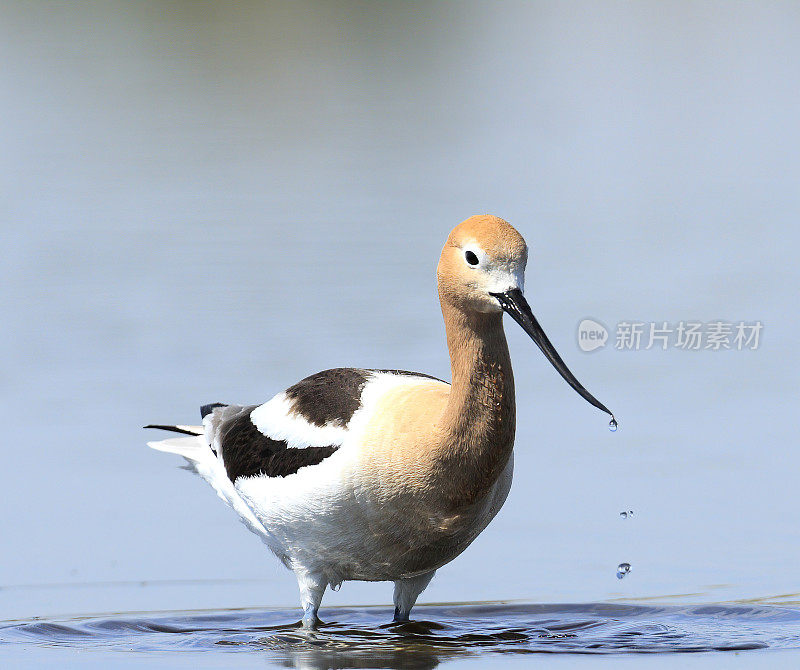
[[310, 619], [399, 616]]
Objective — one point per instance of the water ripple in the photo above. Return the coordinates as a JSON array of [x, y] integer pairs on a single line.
[[352, 636]]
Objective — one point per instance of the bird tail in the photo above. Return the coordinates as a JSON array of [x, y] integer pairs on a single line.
[[186, 430], [202, 460]]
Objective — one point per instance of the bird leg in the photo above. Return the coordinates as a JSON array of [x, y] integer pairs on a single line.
[[406, 592], [312, 587]]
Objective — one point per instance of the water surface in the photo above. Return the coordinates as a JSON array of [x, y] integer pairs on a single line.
[[206, 202], [353, 637]]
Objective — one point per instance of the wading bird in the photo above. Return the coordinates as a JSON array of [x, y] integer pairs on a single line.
[[385, 475]]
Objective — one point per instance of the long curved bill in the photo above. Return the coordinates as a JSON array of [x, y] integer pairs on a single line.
[[514, 303]]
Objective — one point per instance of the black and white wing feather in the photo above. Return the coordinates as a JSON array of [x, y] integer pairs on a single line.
[[247, 449], [248, 452], [298, 428]]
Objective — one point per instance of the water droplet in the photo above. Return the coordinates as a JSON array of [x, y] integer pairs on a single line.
[[336, 586], [623, 569], [612, 425], [626, 515]]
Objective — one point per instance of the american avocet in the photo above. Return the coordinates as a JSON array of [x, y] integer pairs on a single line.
[[385, 475]]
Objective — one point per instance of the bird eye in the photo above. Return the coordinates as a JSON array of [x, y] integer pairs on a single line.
[[472, 259]]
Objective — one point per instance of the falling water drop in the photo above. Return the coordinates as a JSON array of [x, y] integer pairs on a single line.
[[626, 515], [612, 425], [623, 569]]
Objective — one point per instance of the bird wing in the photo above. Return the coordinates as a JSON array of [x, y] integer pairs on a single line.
[[300, 427]]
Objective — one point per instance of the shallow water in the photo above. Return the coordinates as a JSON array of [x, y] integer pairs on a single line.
[[206, 202], [362, 636]]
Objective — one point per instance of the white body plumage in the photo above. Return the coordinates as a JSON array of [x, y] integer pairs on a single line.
[[328, 522]]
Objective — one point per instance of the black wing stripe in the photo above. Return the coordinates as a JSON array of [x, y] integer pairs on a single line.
[[246, 451], [333, 396], [173, 429], [330, 396]]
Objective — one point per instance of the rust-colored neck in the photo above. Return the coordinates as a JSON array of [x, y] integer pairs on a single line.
[[479, 421]]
